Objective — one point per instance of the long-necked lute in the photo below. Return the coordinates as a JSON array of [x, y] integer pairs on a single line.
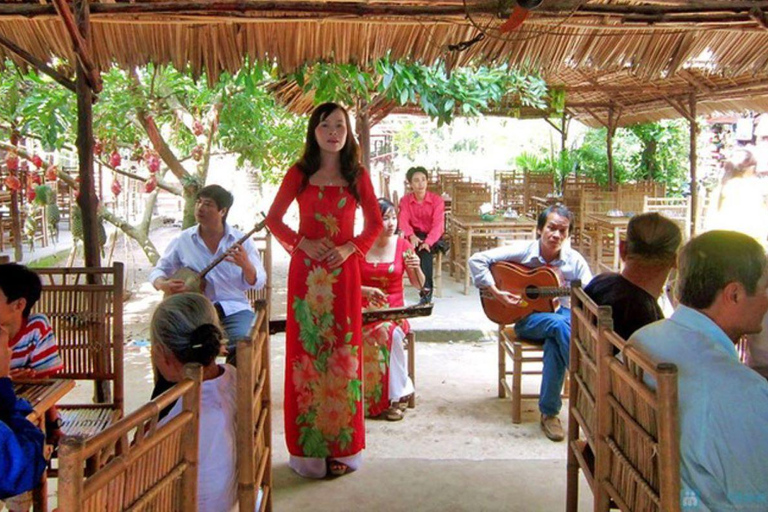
[[377, 315], [539, 289], [195, 281]]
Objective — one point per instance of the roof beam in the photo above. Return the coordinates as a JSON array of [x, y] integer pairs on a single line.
[[244, 6], [38, 64], [81, 46]]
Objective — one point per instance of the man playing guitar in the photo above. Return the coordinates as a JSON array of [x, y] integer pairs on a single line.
[[195, 247], [553, 329]]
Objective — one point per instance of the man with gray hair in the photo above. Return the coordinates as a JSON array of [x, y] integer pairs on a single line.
[[649, 253], [722, 404]]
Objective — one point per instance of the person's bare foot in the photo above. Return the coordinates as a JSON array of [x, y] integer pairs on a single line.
[[337, 468]]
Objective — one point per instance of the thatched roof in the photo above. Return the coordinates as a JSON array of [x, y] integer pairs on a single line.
[[634, 53]]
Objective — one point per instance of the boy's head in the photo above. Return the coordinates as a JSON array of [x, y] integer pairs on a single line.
[[19, 291]]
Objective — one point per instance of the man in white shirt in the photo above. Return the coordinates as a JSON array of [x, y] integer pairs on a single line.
[[227, 283], [722, 404], [553, 329]]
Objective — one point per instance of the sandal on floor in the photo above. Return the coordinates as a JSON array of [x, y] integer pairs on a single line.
[[404, 402], [394, 413], [337, 468]]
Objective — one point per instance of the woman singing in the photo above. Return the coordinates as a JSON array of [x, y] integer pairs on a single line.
[[324, 426]]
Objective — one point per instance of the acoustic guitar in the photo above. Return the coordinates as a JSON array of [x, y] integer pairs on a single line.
[[378, 315], [538, 287], [195, 281]]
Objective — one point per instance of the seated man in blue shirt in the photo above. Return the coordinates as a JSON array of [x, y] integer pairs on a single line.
[[21, 443], [227, 283], [722, 404], [553, 329]]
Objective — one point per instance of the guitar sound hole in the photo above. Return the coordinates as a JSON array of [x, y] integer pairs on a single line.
[[532, 292]]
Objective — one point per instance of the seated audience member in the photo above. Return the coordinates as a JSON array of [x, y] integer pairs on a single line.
[[649, 254], [34, 350], [553, 329], [722, 404], [21, 443], [185, 329], [422, 221], [387, 385]]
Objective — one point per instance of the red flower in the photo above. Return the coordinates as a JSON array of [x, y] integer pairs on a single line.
[[343, 363], [304, 373]]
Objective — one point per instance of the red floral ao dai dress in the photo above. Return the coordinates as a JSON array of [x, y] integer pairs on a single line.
[[323, 377]]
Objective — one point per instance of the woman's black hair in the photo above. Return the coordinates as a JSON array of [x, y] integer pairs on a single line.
[[309, 163], [385, 205]]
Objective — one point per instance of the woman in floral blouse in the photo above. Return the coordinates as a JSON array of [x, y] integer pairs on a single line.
[[324, 425]]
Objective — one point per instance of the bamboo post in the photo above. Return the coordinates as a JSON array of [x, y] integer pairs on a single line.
[[71, 473], [191, 403], [246, 470], [611, 129], [669, 451], [693, 157], [87, 197], [603, 420]]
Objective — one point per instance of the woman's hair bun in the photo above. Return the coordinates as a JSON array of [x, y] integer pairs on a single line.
[[204, 344]]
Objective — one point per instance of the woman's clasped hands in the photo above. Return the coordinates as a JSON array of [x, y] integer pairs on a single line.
[[323, 249]]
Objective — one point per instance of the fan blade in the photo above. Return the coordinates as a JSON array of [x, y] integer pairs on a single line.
[[516, 19]]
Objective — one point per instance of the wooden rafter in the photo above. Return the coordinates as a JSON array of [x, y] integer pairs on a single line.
[[37, 63], [81, 46]]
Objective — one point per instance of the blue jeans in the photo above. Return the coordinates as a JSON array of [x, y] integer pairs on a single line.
[[237, 326], [554, 329]]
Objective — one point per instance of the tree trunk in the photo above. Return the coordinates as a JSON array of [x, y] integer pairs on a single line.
[[18, 253], [140, 234], [87, 196], [363, 126]]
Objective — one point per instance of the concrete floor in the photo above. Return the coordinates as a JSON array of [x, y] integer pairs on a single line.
[[456, 451]]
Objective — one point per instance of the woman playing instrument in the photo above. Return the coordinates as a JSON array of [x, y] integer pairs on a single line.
[[324, 425], [387, 385], [422, 221], [185, 329]]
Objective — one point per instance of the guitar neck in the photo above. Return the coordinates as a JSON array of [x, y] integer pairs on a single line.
[[221, 257], [554, 292]]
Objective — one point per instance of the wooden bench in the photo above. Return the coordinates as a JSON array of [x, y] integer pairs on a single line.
[[254, 416], [637, 465], [587, 321], [85, 309], [157, 471]]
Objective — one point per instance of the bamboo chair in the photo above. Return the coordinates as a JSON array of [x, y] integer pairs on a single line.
[[676, 208], [587, 321], [264, 247], [157, 471], [599, 202], [536, 185], [521, 352], [638, 453], [85, 308], [468, 197], [509, 190], [254, 416]]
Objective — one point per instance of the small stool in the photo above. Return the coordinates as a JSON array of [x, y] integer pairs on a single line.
[[410, 346], [520, 351]]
